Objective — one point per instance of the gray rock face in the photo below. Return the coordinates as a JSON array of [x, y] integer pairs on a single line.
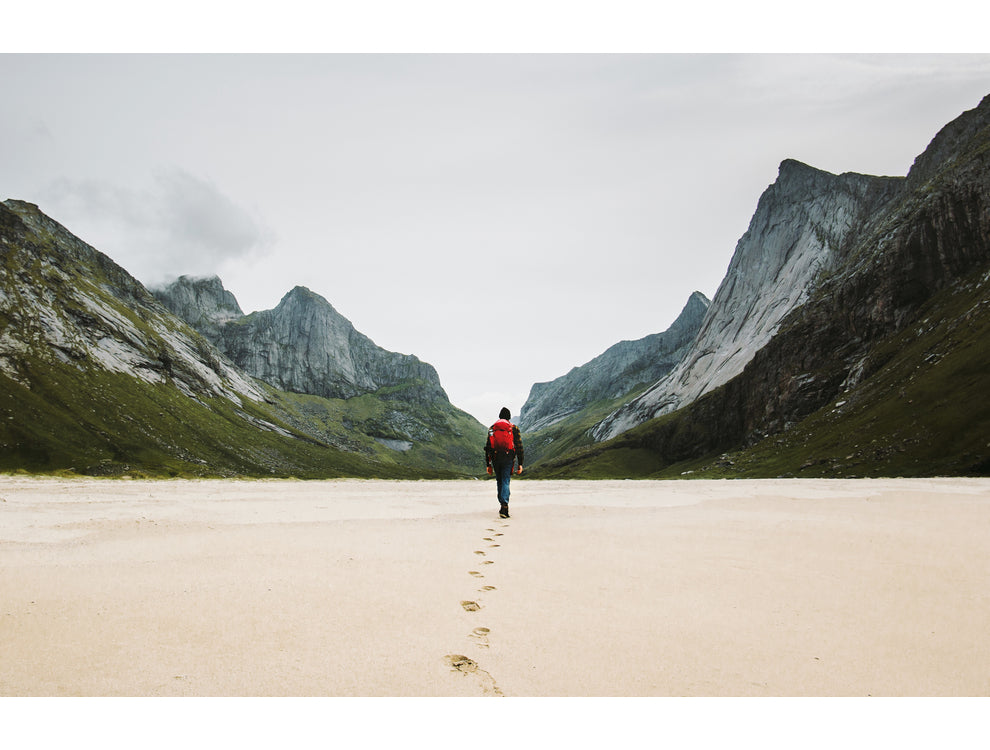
[[303, 345], [617, 371], [801, 226], [929, 241], [203, 303], [66, 300]]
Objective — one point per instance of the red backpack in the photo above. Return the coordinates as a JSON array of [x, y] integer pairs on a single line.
[[502, 436]]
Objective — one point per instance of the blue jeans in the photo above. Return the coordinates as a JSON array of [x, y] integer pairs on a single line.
[[503, 472]]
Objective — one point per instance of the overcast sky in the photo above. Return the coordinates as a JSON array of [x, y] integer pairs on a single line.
[[503, 217]]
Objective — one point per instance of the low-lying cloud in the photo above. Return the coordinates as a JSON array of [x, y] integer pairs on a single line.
[[181, 224]]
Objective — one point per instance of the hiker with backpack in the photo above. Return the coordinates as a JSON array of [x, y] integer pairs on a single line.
[[502, 449]]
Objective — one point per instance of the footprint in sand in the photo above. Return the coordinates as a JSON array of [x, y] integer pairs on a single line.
[[478, 552], [481, 635], [494, 545], [475, 573], [465, 665], [471, 606], [487, 588], [486, 539], [462, 663], [488, 562]]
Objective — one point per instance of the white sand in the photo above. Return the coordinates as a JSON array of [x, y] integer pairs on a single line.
[[357, 588]]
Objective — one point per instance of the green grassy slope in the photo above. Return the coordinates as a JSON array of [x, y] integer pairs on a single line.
[[102, 423], [451, 440], [924, 412], [62, 409], [570, 433]]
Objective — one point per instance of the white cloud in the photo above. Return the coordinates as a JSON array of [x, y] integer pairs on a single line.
[[181, 224]]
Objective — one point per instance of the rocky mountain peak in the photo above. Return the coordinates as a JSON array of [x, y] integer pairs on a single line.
[[301, 300], [302, 345], [794, 171], [68, 253], [616, 372], [827, 348], [803, 224], [950, 143], [302, 294], [697, 304], [69, 304], [99, 376], [202, 302]]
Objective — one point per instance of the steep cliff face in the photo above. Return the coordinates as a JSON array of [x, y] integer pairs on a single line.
[[61, 298], [802, 225], [619, 370], [202, 302], [97, 377], [891, 336], [303, 345], [932, 236]]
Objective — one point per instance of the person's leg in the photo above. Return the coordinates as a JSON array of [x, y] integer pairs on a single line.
[[503, 473]]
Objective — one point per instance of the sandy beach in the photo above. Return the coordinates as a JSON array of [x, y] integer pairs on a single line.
[[375, 588]]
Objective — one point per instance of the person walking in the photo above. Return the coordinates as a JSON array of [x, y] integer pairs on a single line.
[[502, 450]]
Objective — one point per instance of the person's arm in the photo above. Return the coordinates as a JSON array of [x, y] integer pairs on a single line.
[[488, 452], [517, 442]]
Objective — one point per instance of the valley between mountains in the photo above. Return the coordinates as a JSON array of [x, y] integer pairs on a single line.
[[850, 337]]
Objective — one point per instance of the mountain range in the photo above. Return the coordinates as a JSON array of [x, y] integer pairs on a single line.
[[849, 337], [99, 376]]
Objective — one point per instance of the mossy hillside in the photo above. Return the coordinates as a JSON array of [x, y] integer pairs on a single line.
[[571, 433], [99, 422], [443, 440], [923, 412], [64, 411], [899, 316], [92, 421], [628, 456]]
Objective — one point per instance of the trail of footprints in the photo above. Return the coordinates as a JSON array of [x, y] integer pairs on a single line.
[[480, 635]]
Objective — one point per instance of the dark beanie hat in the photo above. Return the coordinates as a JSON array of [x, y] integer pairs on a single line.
[[504, 414]]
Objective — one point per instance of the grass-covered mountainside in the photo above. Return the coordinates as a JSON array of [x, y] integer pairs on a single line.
[[100, 423], [97, 377], [558, 416], [923, 413], [882, 371], [570, 433]]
